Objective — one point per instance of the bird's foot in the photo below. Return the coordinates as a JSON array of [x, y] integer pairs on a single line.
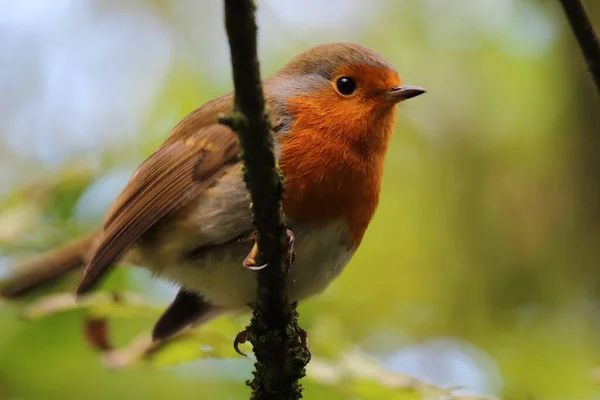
[[250, 260], [240, 338]]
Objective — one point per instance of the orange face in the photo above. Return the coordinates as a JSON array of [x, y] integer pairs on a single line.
[[363, 117], [372, 84], [333, 156]]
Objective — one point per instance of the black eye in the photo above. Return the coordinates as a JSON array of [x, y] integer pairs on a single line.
[[346, 85]]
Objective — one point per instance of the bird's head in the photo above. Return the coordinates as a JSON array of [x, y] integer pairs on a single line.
[[335, 106], [346, 90]]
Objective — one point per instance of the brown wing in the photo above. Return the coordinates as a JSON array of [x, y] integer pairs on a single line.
[[172, 176]]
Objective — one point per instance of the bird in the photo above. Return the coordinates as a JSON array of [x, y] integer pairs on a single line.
[[185, 213]]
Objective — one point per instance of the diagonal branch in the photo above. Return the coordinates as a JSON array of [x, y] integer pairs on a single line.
[[273, 331], [586, 36]]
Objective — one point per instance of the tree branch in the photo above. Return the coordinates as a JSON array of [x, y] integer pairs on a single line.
[[273, 331], [586, 36]]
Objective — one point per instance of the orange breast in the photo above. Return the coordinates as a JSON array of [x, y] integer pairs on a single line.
[[332, 159]]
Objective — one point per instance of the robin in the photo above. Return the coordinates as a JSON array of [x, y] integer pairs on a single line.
[[185, 213]]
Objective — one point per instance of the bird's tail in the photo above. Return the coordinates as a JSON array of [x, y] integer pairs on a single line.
[[48, 266]]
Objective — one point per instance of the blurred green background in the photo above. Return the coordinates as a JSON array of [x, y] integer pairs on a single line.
[[479, 269]]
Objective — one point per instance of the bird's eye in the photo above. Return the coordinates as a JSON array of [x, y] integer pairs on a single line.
[[346, 85]]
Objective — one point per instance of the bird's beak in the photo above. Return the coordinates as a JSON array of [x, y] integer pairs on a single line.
[[401, 93]]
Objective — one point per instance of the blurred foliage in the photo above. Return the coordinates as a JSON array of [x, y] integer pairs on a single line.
[[479, 269], [355, 375]]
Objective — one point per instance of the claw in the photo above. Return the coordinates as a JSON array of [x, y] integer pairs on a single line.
[[257, 268], [240, 338], [250, 260]]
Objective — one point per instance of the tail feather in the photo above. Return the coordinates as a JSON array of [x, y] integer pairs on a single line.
[[188, 309], [48, 266]]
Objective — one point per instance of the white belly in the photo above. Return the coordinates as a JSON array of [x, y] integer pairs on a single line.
[[223, 213], [218, 276]]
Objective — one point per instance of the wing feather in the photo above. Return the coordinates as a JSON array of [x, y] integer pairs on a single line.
[[169, 179]]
